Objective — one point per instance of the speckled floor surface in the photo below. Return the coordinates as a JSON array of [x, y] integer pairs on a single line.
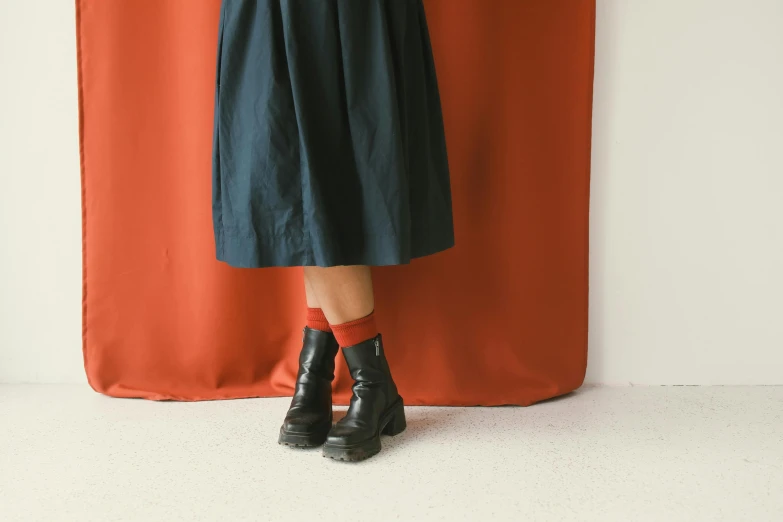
[[605, 454]]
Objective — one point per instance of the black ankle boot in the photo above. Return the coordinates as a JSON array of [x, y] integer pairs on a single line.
[[310, 416], [375, 408]]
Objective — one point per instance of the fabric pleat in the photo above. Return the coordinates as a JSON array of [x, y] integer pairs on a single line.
[[330, 147]]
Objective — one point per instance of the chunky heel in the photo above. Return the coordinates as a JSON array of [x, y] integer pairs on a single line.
[[397, 423]]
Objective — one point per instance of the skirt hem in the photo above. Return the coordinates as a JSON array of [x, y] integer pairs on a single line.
[[238, 261]]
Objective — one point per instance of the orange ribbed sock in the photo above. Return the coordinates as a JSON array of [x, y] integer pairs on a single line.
[[355, 332], [316, 320]]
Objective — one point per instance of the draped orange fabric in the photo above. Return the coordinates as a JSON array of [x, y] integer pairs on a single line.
[[499, 319]]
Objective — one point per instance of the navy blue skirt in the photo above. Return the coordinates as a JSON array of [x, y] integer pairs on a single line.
[[329, 146]]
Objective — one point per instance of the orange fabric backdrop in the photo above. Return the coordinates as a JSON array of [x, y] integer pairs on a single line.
[[499, 319]]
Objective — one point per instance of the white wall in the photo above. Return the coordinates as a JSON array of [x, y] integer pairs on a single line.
[[687, 219], [40, 212], [687, 207]]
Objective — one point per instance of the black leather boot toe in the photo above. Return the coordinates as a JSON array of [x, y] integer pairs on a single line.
[[309, 417], [376, 407]]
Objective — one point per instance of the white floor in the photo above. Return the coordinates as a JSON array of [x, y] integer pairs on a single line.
[[605, 454]]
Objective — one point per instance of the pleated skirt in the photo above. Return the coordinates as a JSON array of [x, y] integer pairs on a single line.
[[329, 145]]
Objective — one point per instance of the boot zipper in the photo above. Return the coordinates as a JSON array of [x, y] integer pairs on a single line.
[[377, 348]]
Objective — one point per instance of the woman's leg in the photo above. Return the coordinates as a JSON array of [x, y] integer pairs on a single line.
[[309, 416], [346, 295], [312, 302], [316, 320]]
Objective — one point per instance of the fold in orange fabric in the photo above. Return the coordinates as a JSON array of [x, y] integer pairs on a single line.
[[499, 319]]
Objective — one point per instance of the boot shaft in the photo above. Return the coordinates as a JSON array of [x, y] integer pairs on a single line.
[[319, 350], [368, 366]]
